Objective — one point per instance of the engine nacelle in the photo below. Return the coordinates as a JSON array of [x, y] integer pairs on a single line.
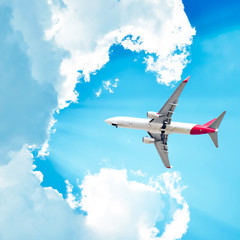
[[148, 140], [152, 115]]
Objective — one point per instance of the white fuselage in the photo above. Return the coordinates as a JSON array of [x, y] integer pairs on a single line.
[[147, 125]]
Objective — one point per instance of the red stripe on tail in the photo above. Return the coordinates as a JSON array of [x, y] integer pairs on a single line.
[[209, 123]]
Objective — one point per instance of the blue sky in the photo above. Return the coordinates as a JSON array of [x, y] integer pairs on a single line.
[[83, 144]]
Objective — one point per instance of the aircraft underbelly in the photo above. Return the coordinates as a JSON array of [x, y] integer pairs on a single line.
[[174, 127], [181, 128], [135, 123], [153, 127], [142, 124]]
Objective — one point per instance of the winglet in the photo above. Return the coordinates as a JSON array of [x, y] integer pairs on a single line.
[[186, 80]]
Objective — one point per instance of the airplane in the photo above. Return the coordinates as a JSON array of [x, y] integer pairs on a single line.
[[159, 125]]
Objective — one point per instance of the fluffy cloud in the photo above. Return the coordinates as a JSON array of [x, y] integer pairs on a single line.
[[25, 104], [113, 204], [32, 211], [116, 207], [43, 50], [179, 224], [87, 29], [109, 86]]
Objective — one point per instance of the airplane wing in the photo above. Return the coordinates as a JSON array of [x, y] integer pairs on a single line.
[[161, 146], [165, 114]]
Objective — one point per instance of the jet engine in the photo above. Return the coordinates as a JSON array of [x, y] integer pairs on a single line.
[[152, 115], [148, 140]]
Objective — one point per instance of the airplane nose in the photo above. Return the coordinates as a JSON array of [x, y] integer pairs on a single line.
[[108, 121]]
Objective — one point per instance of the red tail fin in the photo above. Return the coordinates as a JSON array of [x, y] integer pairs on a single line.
[[209, 123]]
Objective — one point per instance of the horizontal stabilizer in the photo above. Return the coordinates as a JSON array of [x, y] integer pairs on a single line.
[[214, 138]]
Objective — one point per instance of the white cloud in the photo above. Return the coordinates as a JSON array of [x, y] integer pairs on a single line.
[[32, 211], [112, 203], [138, 173], [44, 56], [87, 29], [57, 38], [179, 224], [120, 205], [71, 198], [171, 180], [25, 104], [108, 86], [45, 146], [98, 93]]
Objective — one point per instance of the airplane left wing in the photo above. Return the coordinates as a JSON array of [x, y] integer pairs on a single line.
[[161, 146], [165, 114], [165, 117]]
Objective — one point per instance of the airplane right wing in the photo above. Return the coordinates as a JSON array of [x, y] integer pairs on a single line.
[[161, 146]]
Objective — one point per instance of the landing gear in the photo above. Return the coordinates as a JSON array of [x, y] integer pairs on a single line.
[[115, 125]]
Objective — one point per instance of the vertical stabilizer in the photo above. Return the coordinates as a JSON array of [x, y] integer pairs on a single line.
[[214, 138], [217, 122]]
